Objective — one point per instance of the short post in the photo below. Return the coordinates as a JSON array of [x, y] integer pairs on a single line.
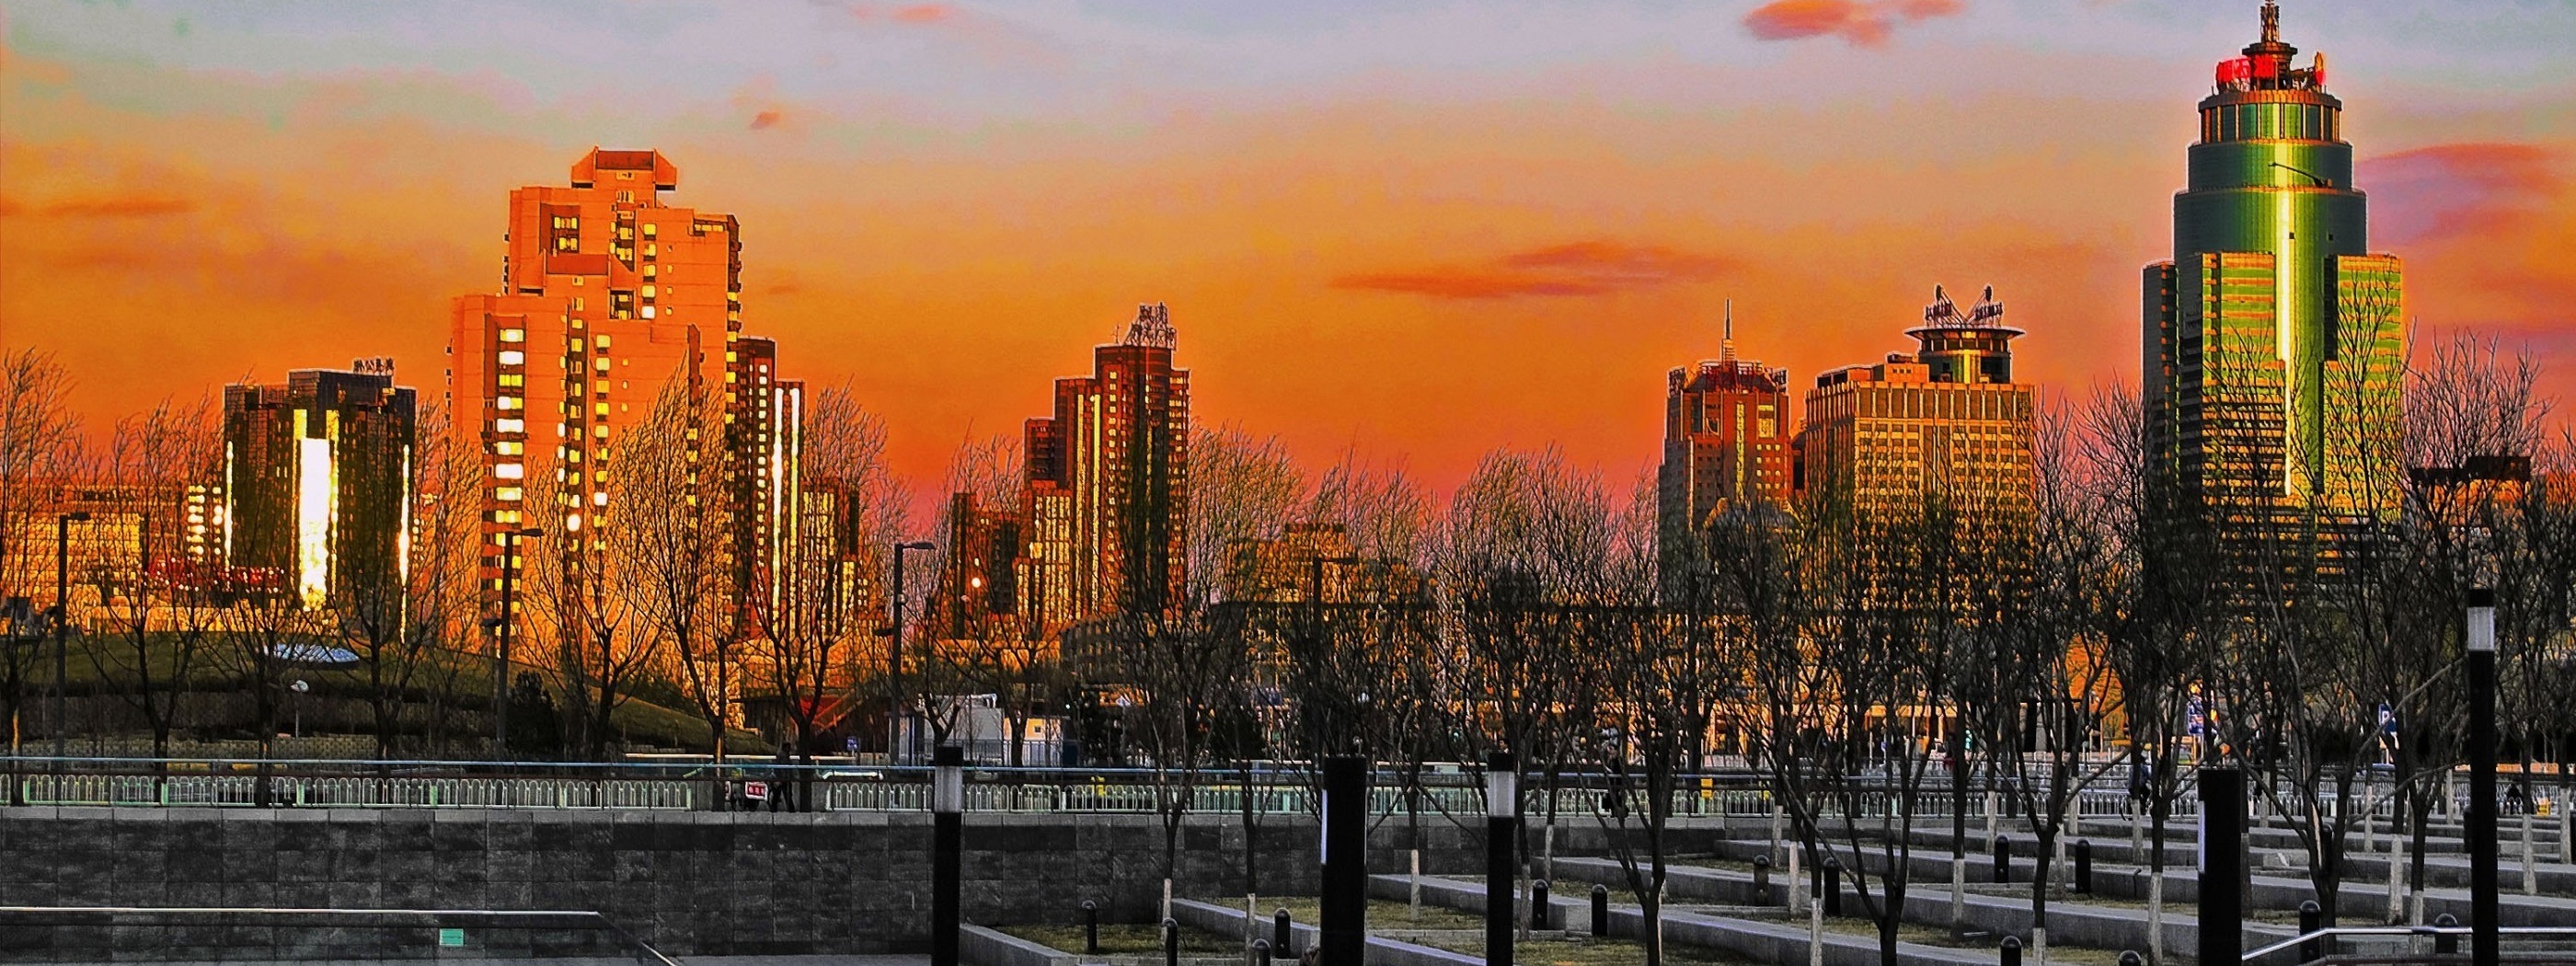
[[2003, 860], [2012, 951], [1600, 910], [1090, 928], [2446, 943], [2222, 865], [2084, 866], [1762, 880], [1538, 904], [1344, 925], [1261, 952], [1282, 937], [1502, 809], [1171, 942], [947, 807], [1833, 885], [2130, 957], [2310, 916]]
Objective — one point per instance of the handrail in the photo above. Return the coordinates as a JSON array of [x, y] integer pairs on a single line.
[[2334, 932], [589, 918]]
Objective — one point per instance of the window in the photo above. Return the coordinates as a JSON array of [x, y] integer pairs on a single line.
[[506, 494], [513, 357], [648, 311], [513, 380], [507, 403], [603, 343], [519, 426], [514, 335], [510, 471]]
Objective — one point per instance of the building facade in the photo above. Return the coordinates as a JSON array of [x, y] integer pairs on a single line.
[[608, 295], [318, 485], [1945, 420], [1108, 482], [2274, 339], [1726, 441]]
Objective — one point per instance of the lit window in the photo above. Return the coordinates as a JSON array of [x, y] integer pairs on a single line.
[[509, 471], [506, 494], [603, 343], [648, 229], [599, 499], [572, 521], [509, 425], [648, 291], [599, 364], [514, 380], [648, 311], [507, 403], [599, 432], [509, 448], [514, 335], [513, 357]]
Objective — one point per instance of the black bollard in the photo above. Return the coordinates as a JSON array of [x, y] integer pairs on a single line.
[[1342, 921], [1282, 938], [2084, 866], [1600, 910], [1171, 942], [1538, 904], [1833, 886], [2446, 943], [1090, 928], [1762, 880], [2003, 860], [2131, 958], [2222, 868], [947, 807], [2012, 951], [1261, 952], [1502, 832], [2310, 914]]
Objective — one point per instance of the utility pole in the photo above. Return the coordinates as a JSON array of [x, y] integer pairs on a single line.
[[503, 631], [62, 622], [894, 655]]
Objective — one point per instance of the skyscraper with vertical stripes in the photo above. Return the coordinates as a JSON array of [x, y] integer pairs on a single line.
[[2273, 340]]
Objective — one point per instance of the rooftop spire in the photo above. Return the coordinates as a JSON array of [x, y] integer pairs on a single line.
[[1729, 343], [2271, 22]]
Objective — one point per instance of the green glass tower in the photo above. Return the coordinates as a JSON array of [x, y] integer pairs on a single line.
[[2273, 339]]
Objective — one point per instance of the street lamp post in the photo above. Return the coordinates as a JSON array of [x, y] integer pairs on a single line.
[[894, 653], [62, 621], [2480, 621], [504, 632], [1502, 835]]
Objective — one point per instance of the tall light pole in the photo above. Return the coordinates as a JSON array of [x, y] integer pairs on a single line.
[[503, 632], [894, 652], [2480, 628], [62, 620], [1502, 836]]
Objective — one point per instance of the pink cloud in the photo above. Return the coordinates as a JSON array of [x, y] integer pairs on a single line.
[[104, 206], [1861, 23], [2445, 190]]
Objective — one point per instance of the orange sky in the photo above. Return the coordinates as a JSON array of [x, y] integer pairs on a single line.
[[1421, 235]]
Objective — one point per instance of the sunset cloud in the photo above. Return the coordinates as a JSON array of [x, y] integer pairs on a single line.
[[912, 13], [1578, 268], [765, 120], [1862, 23], [2446, 190], [105, 206]]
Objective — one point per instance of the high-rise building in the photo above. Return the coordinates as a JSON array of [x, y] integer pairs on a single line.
[[318, 484], [1108, 482], [1946, 419], [608, 294], [1726, 441], [2273, 340], [767, 425]]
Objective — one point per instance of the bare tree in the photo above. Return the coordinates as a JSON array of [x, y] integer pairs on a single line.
[[150, 460], [674, 521], [40, 448]]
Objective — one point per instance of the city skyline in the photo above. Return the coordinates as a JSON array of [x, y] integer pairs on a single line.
[[1557, 248]]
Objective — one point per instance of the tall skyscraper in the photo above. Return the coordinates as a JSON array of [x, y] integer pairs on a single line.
[[1947, 418], [318, 480], [2273, 342], [1108, 483], [607, 295], [1726, 440], [767, 425]]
